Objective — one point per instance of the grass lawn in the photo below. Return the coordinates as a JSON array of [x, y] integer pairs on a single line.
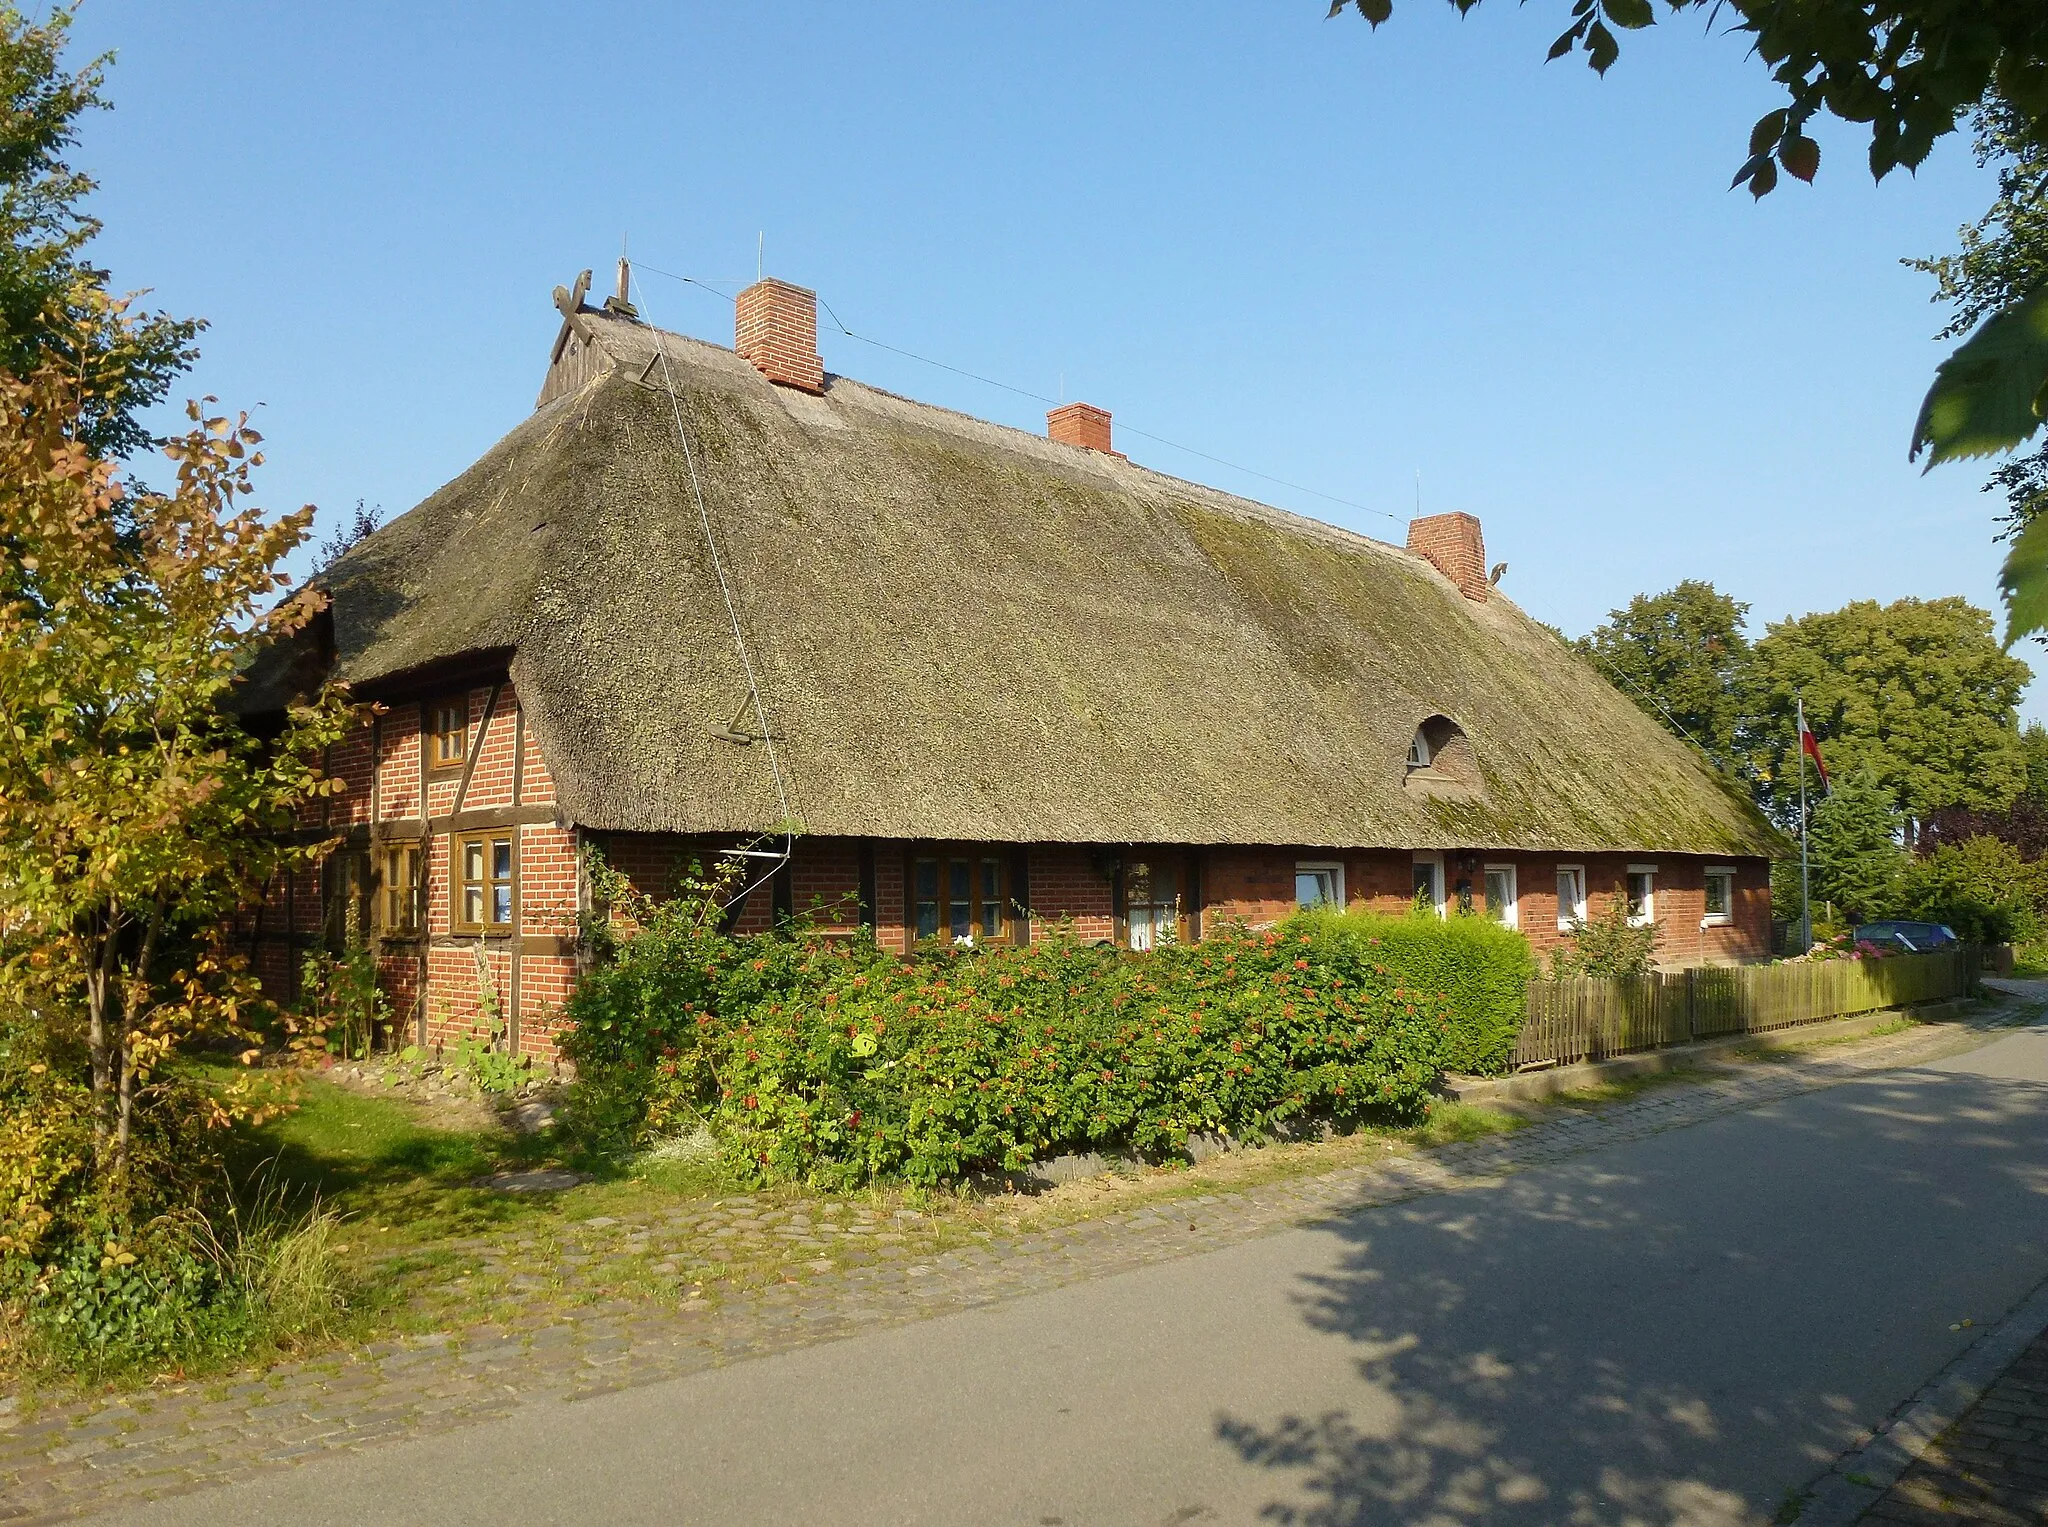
[[429, 1249]]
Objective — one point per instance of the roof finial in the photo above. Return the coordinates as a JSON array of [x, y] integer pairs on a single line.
[[622, 304]]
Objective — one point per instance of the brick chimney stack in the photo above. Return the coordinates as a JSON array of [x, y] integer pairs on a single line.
[[775, 325], [1081, 424], [1454, 544]]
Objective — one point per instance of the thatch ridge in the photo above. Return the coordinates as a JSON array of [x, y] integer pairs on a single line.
[[964, 630]]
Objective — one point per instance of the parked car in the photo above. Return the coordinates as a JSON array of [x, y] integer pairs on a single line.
[[1907, 937]]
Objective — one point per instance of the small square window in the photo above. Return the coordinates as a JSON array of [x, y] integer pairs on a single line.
[[1319, 885], [485, 865], [1720, 895], [448, 726]]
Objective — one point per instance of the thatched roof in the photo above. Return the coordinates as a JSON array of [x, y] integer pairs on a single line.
[[966, 631]]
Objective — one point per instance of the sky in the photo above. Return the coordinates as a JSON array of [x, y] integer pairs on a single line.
[[1417, 265]]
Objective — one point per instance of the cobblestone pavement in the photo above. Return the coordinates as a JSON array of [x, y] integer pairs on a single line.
[[71, 1459], [1991, 1466]]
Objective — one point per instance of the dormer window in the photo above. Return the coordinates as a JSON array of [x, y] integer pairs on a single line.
[[1440, 763]]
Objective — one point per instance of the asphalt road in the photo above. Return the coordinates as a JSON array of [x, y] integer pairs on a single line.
[[1676, 1330]]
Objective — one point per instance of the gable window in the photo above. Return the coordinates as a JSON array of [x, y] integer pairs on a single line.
[[1502, 903], [448, 725], [1720, 894], [485, 863], [1319, 885], [1642, 894], [1428, 883], [1571, 896], [959, 896], [398, 906]]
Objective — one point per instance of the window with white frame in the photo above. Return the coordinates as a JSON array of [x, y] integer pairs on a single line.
[[1502, 904], [1429, 882], [1571, 895], [1419, 750], [1319, 885], [1720, 894], [1642, 894]]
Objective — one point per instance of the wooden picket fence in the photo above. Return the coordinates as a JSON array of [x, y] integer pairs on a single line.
[[1592, 1017]]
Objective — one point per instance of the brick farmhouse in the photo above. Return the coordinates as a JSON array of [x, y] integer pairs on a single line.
[[986, 680]]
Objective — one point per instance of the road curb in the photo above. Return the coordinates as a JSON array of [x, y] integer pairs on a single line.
[[1837, 1499]]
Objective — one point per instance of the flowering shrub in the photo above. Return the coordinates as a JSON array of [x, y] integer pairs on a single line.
[[832, 1061]]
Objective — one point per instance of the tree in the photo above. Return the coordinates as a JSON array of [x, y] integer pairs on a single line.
[[1681, 656], [136, 816], [1980, 887], [1917, 696], [2023, 824], [48, 290], [1856, 861]]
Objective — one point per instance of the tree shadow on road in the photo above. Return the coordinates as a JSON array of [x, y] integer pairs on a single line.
[[1676, 1330]]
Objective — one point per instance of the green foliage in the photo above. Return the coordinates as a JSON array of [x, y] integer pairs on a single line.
[[48, 290], [342, 1000], [1981, 888], [1917, 695], [1990, 395], [1681, 656], [832, 1062], [1906, 67], [1857, 863], [1607, 945], [110, 1301], [2001, 269]]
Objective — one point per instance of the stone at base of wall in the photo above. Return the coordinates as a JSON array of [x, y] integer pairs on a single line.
[[1534, 1086]]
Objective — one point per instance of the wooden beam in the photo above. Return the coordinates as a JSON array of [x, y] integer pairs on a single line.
[[483, 732]]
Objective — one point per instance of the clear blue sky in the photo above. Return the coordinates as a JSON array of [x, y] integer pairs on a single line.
[[1333, 256]]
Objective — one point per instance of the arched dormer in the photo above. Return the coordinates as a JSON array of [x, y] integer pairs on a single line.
[[1441, 761]]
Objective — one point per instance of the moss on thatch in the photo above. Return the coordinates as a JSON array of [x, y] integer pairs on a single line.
[[966, 631]]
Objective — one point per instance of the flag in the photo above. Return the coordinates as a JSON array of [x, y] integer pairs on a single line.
[[1811, 748]]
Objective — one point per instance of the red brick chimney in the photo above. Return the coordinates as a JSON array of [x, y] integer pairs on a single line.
[[1453, 543], [1081, 424], [775, 325]]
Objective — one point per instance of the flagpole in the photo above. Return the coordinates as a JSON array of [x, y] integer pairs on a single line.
[[1805, 883]]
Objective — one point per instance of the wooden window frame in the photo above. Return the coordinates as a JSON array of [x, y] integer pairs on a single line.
[[458, 884], [438, 756], [400, 909], [347, 900], [978, 858]]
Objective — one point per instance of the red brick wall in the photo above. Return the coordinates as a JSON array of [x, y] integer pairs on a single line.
[[1257, 886], [1066, 884]]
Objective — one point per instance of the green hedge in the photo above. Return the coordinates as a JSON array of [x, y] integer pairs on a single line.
[[833, 1062]]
